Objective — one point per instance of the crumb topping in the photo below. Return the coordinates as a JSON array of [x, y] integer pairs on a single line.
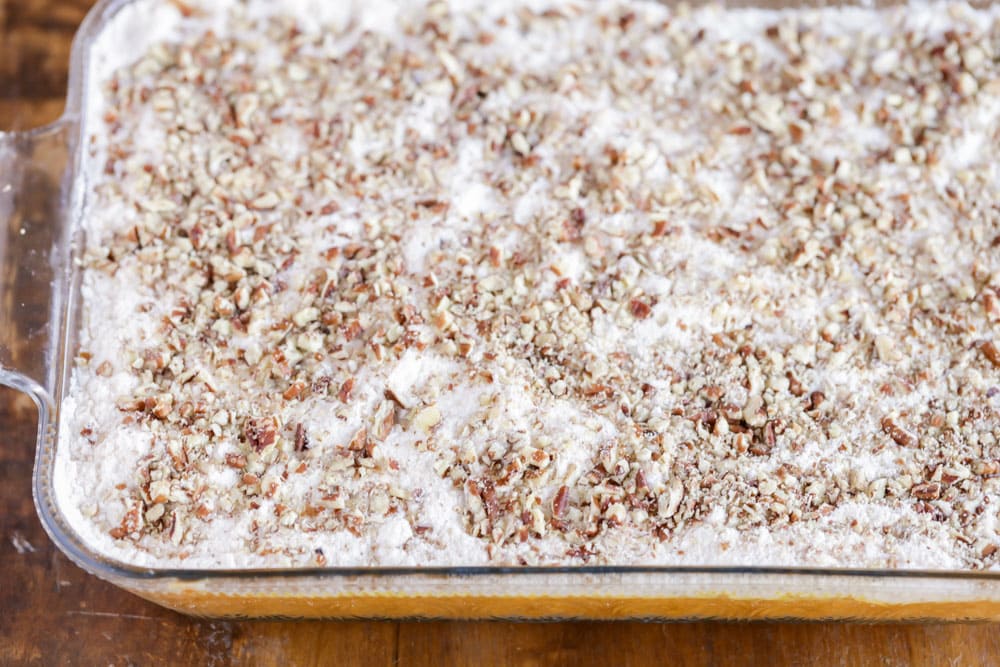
[[564, 285]]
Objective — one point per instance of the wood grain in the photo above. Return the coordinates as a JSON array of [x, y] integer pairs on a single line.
[[52, 613]]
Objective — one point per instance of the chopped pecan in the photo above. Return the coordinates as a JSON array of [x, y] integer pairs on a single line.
[[898, 434], [261, 433], [561, 502], [926, 491], [639, 309], [991, 352], [301, 438]]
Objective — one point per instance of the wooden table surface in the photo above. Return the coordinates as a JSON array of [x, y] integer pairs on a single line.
[[53, 613]]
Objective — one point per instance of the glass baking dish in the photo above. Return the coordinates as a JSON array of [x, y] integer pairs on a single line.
[[38, 310]]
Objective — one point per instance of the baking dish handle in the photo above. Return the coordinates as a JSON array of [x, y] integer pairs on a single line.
[[32, 208]]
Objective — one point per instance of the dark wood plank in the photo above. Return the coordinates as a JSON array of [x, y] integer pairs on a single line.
[[37, 35], [24, 114], [276, 644], [52, 613], [679, 644]]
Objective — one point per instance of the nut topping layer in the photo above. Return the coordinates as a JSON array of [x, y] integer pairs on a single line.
[[587, 284]]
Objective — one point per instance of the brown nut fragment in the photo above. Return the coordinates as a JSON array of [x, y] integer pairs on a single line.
[[926, 491], [130, 524], [639, 309], [991, 352], [344, 394], [163, 406], [796, 131], [660, 228], [899, 436], [185, 9], [794, 386], [816, 399], [261, 433], [991, 304], [301, 438], [132, 405], [561, 502], [763, 447], [359, 440], [295, 390], [236, 461], [986, 468], [384, 420], [487, 493]]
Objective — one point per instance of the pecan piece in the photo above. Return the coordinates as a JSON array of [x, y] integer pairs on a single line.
[[345, 390], [301, 438], [899, 436], [385, 419], [639, 309], [261, 433], [926, 491], [489, 495], [816, 399], [991, 352], [763, 448], [561, 502], [236, 461], [359, 440]]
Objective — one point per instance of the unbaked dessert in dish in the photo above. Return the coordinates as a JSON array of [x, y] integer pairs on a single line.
[[539, 283]]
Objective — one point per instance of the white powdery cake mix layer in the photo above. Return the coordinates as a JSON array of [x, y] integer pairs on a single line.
[[538, 283]]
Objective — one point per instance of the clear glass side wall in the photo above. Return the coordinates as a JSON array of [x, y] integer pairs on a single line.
[[32, 172]]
